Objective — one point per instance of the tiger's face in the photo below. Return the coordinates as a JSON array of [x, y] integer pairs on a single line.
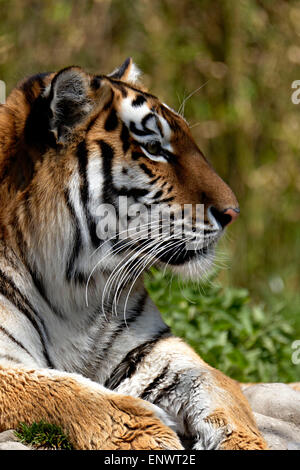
[[111, 139]]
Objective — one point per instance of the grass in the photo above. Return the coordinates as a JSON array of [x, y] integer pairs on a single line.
[[247, 341], [43, 435]]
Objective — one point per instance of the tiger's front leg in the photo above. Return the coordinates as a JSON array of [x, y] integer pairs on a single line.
[[92, 417], [209, 408]]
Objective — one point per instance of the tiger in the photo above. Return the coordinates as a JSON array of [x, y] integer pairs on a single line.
[[105, 368]]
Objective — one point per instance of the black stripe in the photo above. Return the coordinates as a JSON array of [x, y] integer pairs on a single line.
[[146, 119], [137, 131], [138, 101], [77, 242], [111, 122], [137, 155], [14, 340], [158, 194], [109, 191], [146, 130], [152, 386], [147, 170], [129, 364], [125, 138], [136, 193], [12, 293], [171, 157], [166, 390], [82, 155], [155, 180], [96, 82], [131, 87], [107, 153], [167, 199]]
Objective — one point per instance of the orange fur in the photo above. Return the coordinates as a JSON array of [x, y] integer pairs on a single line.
[[91, 419]]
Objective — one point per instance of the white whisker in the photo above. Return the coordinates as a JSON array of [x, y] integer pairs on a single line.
[[182, 106]]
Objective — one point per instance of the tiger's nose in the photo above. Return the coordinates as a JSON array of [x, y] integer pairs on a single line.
[[226, 216]]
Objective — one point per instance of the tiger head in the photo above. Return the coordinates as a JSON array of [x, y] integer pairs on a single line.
[[75, 141]]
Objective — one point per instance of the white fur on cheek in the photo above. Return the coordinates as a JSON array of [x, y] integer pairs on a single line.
[[129, 114]]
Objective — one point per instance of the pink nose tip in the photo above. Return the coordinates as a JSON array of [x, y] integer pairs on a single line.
[[232, 213]]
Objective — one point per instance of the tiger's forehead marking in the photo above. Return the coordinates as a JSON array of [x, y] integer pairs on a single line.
[[143, 121]]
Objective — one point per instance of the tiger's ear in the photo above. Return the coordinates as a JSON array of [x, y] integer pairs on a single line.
[[70, 102], [127, 72]]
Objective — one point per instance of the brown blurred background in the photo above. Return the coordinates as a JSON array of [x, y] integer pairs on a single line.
[[244, 55]]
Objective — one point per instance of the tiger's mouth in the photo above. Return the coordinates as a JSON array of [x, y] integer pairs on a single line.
[[167, 236], [174, 252], [181, 255]]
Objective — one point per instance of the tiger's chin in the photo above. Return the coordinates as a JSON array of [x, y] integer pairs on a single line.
[[196, 268], [192, 265]]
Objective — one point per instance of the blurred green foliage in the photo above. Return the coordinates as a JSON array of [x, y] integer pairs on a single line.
[[247, 342], [238, 59]]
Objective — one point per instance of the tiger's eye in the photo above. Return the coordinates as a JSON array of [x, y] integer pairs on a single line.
[[153, 147]]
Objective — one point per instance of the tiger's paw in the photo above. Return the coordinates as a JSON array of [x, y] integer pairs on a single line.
[[139, 425], [219, 432]]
